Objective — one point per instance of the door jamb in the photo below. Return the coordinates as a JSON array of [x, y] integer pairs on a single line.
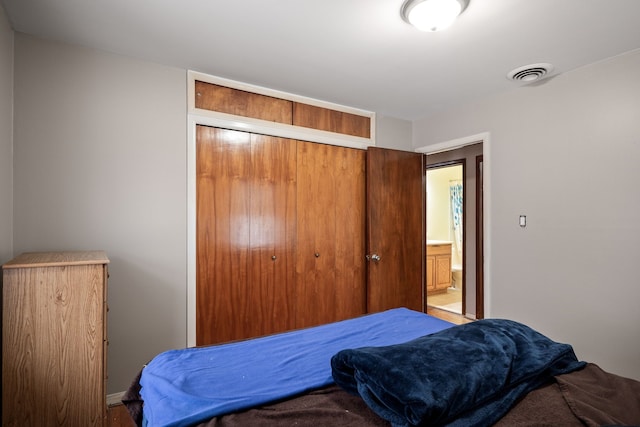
[[448, 163], [480, 232], [485, 138]]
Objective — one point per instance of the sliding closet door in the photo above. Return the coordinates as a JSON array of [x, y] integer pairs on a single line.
[[223, 193], [351, 287], [280, 234], [330, 233], [394, 229], [272, 225], [245, 261]]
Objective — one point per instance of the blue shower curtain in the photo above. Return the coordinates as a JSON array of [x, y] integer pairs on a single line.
[[455, 193]]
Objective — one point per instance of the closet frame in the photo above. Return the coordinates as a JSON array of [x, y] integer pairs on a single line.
[[199, 116]]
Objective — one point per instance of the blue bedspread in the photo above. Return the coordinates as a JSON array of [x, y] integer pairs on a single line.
[[187, 386], [468, 375]]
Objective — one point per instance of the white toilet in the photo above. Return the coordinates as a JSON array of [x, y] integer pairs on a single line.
[[456, 276]]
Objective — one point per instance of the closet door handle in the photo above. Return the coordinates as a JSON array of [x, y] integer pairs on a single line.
[[374, 257]]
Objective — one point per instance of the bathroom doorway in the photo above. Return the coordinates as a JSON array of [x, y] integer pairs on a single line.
[[471, 263], [445, 236]]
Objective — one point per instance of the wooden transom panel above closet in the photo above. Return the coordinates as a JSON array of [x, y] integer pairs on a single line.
[[237, 102]]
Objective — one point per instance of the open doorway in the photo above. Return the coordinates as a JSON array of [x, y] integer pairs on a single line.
[[466, 274], [445, 236]]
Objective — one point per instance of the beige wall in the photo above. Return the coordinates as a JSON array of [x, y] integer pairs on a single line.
[[566, 154], [100, 163], [6, 139]]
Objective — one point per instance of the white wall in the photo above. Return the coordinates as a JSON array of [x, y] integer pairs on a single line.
[[100, 163], [6, 139], [566, 154]]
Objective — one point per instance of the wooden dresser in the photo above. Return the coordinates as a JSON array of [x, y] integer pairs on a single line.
[[54, 339]]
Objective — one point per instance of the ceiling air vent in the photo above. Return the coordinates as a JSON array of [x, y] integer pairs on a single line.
[[530, 73]]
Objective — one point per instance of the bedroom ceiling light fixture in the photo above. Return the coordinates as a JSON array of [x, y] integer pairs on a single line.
[[432, 15]]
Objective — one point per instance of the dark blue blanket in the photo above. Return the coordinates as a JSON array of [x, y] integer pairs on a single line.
[[468, 375]]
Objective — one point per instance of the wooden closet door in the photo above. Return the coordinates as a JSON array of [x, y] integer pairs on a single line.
[[246, 190], [350, 201], [330, 233], [395, 229], [223, 164], [272, 235]]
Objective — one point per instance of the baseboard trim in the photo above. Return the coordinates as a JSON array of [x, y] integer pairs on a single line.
[[115, 398]]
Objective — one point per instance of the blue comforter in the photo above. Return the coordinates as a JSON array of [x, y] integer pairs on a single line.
[[187, 386], [468, 375]]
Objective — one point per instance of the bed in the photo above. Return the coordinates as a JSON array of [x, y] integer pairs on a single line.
[[394, 368]]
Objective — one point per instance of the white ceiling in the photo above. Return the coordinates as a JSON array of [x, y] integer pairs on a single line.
[[358, 53]]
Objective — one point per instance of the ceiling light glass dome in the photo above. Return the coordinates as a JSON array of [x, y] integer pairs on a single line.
[[432, 15]]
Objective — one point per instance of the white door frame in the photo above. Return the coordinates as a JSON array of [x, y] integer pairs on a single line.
[[485, 138]]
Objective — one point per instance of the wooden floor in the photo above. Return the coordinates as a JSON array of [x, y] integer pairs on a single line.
[[119, 417], [458, 319]]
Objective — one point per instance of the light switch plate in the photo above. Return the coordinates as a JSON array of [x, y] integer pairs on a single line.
[[523, 220]]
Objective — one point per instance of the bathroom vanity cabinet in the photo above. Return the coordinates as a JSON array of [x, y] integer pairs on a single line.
[[438, 267]]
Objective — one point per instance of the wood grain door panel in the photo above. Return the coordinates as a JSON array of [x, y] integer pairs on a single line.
[[430, 272], [222, 234], [315, 266], [280, 234], [395, 229], [246, 225], [272, 234], [330, 234], [350, 282]]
